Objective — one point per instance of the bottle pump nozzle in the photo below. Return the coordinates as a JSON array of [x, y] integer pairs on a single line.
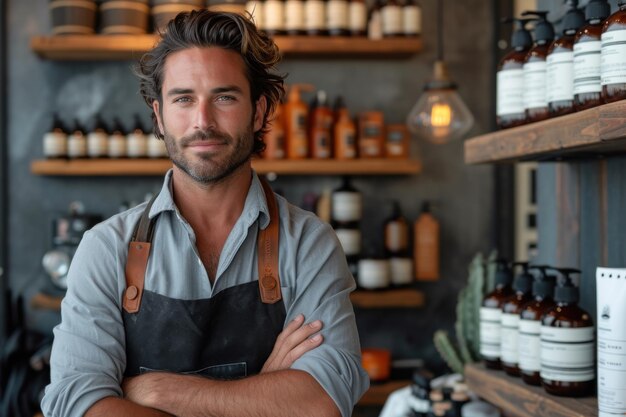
[[543, 286], [524, 281], [520, 38], [504, 274], [573, 19], [566, 291], [544, 31]]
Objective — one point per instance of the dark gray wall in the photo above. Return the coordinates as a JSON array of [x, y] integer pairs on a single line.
[[462, 194]]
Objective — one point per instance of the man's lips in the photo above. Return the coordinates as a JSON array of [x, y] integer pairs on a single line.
[[205, 144]]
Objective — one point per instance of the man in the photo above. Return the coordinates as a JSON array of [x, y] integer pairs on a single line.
[[216, 276]]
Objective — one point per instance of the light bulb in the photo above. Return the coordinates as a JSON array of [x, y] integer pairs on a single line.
[[440, 114]]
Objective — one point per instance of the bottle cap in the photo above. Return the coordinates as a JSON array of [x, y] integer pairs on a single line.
[[504, 275], [544, 31], [597, 9], [520, 38], [573, 19], [524, 281], [566, 291], [543, 285]]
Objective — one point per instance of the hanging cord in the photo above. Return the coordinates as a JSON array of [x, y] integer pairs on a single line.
[[439, 30]]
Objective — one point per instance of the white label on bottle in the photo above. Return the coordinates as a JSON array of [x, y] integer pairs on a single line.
[[611, 293], [357, 20], [294, 15], [156, 147], [508, 337], [392, 20], [315, 15], [136, 145], [274, 15], [560, 76], [535, 85], [529, 345], [373, 273], [396, 236], [97, 144], [510, 92], [587, 67], [412, 18], [401, 270], [255, 8], [567, 354], [350, 240], [490, 332], [55, 144], [76, 146], [346, 206], [117, 146], [337, 14], [613, 57]]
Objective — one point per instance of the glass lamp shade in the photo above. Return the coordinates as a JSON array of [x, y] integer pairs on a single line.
[[440, 115]]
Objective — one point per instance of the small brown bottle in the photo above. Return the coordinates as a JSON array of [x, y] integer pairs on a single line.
[[337, 17], [357, 17], [522, 285], [567, 343], [320, 120], [274, 17], [411, 19], [275, 136], [344, 132], [391, 18], [510, 77], [315, 17], [613, 66], [294, 17], [529, 340], [491, 315], [560, 59], [587, 50], [426, 245], [55, 141], [535, 66]]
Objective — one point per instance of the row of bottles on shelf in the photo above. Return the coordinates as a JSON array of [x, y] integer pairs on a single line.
[[101, 142], [277, 17], [533, 327], [299, 131], [386, 18], [582, 68], [396, 264]]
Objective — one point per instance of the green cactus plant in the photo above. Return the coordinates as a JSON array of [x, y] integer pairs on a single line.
[[466, 347]]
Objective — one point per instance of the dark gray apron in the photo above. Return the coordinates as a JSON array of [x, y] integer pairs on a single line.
[[227, 336]]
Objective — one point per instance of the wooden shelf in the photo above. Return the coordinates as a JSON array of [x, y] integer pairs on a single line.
[[520, 400], [125, 47], [150, 167], [592, 133], [400, 298], [378, 393]]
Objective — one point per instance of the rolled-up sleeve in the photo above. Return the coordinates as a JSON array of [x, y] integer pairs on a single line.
[[88, 353], [323, 286]]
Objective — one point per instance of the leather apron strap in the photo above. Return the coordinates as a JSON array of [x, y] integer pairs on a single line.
[[267, 251]]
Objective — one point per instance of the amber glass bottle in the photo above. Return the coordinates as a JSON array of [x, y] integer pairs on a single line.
[[529, 340], [587, 47], [522, 285], [560, 70], [567, 343], [613, 65], [535, 65], [491, 315], [344, 132], [510, 78], [320, 127]]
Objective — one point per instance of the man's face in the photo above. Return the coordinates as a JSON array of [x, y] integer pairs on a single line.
[[207, 118]]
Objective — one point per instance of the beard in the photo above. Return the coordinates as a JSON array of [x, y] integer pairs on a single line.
[[212, 167]]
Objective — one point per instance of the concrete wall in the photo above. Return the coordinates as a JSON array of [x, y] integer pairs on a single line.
[[462, 194]]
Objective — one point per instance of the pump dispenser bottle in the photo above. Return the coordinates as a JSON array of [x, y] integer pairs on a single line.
[[491, 315], [529, 340], [535, 66], [510, 78], [522, 285], [55, 140], [344, 132], [587, 47], [320, 127], [613, 55], [567, 343], [346, 213], [560, 71]]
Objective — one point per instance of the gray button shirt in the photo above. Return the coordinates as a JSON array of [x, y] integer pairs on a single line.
[[89, 355]]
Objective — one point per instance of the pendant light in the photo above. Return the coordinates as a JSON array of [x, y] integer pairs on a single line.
[[440, 115]]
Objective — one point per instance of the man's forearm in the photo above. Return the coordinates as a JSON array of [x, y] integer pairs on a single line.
[[112, 406], [285, 393]]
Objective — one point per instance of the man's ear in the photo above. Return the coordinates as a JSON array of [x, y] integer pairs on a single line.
[[157, 114], [259, 113]]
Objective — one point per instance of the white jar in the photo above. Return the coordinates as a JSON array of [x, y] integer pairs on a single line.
[[374, 273]]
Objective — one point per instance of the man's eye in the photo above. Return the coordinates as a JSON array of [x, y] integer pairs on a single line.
[[225, 98], [182, 100]]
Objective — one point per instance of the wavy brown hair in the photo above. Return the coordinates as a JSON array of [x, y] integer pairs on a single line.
[[203, 28]]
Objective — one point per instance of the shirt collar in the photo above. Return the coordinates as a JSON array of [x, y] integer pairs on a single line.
[[254, 207]]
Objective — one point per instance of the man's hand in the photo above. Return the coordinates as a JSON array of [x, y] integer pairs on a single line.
[[293, 342]]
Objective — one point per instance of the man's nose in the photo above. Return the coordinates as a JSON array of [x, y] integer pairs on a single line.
[[205, 116]]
